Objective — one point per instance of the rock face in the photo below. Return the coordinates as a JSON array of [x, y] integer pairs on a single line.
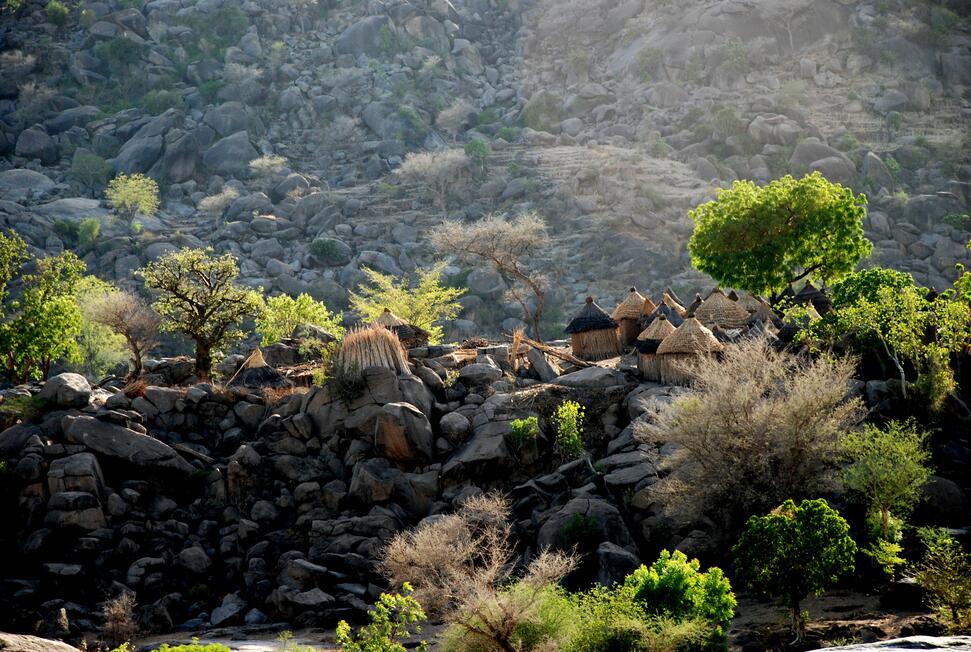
[[19, 643], [911, 644], [120, 443]]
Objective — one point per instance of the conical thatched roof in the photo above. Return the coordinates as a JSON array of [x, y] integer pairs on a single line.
[[671, 293], [657, 330], [630, 307], [663, 309], [690, 337], [749, 302], [591, 317], [648, 307], [810, 294], [673, 303], [389, 319], [719, 310], [732, 295], [256, 374]]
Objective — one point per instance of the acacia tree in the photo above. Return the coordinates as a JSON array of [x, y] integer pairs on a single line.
[[129, 316], [507, 245], [794, 551], [762, 239], [198, 296]]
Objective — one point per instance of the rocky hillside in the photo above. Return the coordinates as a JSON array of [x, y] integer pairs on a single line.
[[607, 117]]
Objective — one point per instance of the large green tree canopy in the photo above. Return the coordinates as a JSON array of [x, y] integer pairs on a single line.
[[761, 239]]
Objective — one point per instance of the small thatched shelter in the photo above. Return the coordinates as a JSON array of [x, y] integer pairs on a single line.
[[373, 346], [811, 295], [627, 314], [647, 344], [719, 310], [691, 339], [256, 374], [668, 299], [593, 334], [411, 336]]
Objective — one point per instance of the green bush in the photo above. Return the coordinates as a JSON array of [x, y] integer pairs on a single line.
[[581, 532], [119, 54], [131, 194], [209, 90], [413, 129], [280, 315], [568, 419], [524, 432], [489, 116], [508, 134], [57, 13], [393, 618], [478, 152], [328, 251], [89, 170], [960, 221], [160, 100], [216, 31], [945, 574], [195, 646], [88, 231]]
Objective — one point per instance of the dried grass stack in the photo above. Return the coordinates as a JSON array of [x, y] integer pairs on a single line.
[[719, 310], [374, 346], [411, 336], [627, 314], [691, 339], [593, 334], [647, 345]]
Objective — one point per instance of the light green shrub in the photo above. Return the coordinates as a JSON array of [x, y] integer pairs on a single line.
[[524, 432], [393, 618], [131, 194], [568, 420]]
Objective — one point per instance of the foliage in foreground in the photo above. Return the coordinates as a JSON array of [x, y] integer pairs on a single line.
[[945, 574], [761, 239], [279, 316], [424, 305], [794, 551], [392, 618], [198, 296], [195, 646]]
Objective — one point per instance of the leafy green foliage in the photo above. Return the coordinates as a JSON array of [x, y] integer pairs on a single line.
[[945, 574], [866, 284], [13, 254], [393, 617], [508, 134], [524, 432], [327, 251], [198, 295], [215, 31], [89, 170], [88, 231], [674, 586], [131, 194], [195, 646], [795, 551], [159, 100], [761, 239], [413, 129], [99, 348], [478, 152], [42, 324], [568, 420], [57, 13], [279, 315], [120, 54], [423, 305], [581, 532]]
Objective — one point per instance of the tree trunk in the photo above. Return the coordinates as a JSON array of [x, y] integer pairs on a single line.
[[796, 615], [885, 523], [203, 361], [538, 313]]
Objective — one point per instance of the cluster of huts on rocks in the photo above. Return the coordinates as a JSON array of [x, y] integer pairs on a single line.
[[669, 333]]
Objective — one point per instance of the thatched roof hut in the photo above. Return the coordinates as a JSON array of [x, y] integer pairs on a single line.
[[647, 344], [719, 310], [593, 334], [410, 335], [663, 309], [256, 374], [648, 307], [627, 314], [373, 346], [672, 303], [691, 339]]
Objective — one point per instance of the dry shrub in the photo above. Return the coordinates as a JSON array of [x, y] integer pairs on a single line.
[[759, 427], [119, 619], [218, 203], [440, 171], [461, 566], [454, 118], [273, 396], [135, 388]]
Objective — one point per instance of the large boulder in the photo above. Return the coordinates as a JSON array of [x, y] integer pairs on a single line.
[[35, 143], [75, 509], [20, 185], [230, 155], [21, 643], [78, 116], [587, 521], [366, 36], [233, 117], [120, 443], [403, 433], [66, 390], [592, 377], [811, 150], [78, 472], [138, 155]]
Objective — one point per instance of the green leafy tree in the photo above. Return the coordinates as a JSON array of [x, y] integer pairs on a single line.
[[43, 323], [887, 467], [132, 194], [393, 618], [761, 239], [198, 295], [674, 586], [425, 304], [130, 318], [13, 254], [945, 574], [89, 170], [279, 315], [478, 152], [99, 348], [795, 551]]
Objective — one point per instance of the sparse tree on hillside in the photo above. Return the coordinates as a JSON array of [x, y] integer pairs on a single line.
[[759, 426], [761, 239], [198, 295], [507, 245], [440, 171], [133, 194], [279, 316], [131, 318]]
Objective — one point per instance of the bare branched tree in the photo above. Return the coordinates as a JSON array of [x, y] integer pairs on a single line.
[[129, 316], [505, 244], [759, 427], [461, 566], [440, 171]]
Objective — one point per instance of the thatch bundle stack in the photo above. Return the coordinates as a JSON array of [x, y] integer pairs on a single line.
[[373, 346], [593, 334], [691, 339], [719, 310], [627, 314], [411, 336], [647, 344]]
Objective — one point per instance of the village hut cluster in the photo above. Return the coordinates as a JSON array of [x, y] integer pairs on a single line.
[[668, 334]]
